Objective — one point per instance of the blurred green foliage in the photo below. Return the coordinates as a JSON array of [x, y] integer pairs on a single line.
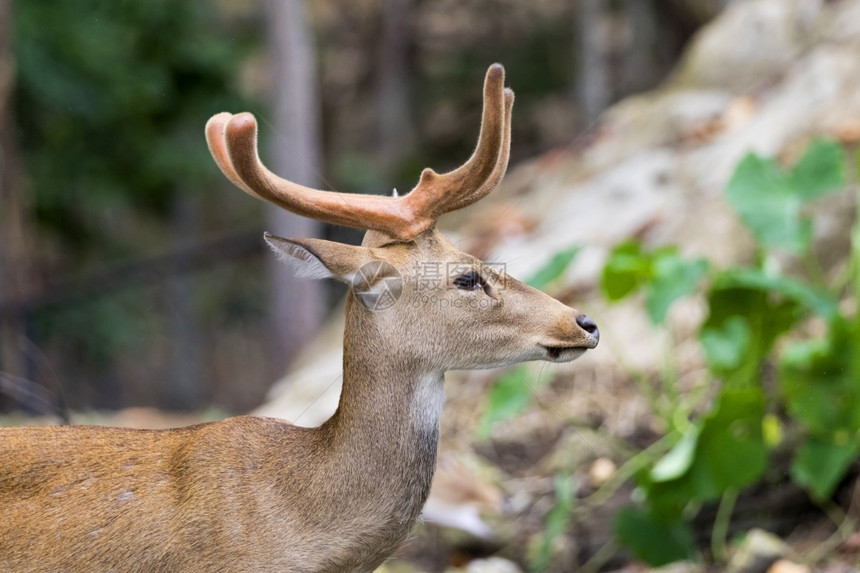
[[721, 449], [770, 200], [818, 393], [111, 97], [509, 396], [663, 274], [110, 102], [653, 540], [554, 269], [557, 521]]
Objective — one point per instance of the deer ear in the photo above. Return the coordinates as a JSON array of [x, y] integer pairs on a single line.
[[319, 259]]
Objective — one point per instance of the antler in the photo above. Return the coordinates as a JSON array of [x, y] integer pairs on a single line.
[[232, 141]]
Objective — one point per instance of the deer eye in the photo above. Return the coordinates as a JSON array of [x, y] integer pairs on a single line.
[[469, 281]]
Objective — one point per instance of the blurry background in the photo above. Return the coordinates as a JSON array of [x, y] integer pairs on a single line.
[[132, 273], [684, 171]]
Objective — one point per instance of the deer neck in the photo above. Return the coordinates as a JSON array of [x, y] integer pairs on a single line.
[[388, 399], [386, 428]]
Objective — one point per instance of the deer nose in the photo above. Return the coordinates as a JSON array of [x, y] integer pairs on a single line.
[[589, 326]]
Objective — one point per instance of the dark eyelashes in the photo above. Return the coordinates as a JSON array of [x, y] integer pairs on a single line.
[[469, 281]]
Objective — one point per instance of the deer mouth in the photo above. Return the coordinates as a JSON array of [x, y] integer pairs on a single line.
[[564, 353]]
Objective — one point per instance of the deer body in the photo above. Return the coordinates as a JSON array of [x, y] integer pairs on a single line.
[[168, 508], [259, 494]]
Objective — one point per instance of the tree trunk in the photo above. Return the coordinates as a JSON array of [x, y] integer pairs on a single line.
[[16, 270], [396, 126], [695, 13], [184, 388], [296, 305], [638, 67], [592, 80]]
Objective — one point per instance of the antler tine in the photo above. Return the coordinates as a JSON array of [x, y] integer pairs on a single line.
[[376, 212], [501, 165], [436, 194], [217, 147]]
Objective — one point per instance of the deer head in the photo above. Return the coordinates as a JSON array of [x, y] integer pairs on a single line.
[[424, 299]]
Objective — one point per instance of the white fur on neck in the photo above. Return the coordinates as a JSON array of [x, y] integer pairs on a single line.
[[427, 402]]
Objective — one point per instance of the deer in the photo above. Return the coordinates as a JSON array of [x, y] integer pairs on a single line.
[[260, 494]]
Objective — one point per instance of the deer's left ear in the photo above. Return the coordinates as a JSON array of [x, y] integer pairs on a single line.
[[320, 259]]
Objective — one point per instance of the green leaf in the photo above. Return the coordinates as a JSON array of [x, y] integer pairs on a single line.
[[673, 278], [556, 266], [771, 428], [818, 301], [764, 199], [767, 317], [662, 272], [729, 453], [821, 169], [652, 539], [821, 382], [679, 459], [509, 396], [820, 466], [770, 200], [557, 521], [625, 271], [725, 345]]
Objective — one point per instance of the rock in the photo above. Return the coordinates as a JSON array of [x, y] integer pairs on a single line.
[[786, 566], [758, 552], [748, 46], [460, 495], [493, 565], [680, 567], [489, 565], [601, 470]]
